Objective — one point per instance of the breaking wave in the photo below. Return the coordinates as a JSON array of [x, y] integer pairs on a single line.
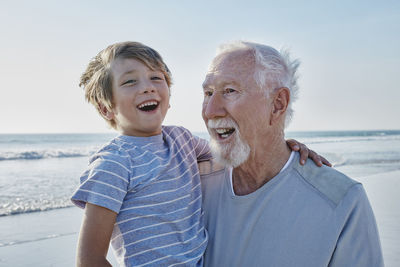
[[27, 206], [45, 153]]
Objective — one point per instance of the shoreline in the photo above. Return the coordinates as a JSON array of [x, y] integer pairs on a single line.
[[44, 238]]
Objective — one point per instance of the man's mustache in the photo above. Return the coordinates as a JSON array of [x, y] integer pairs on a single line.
[[222, 123]]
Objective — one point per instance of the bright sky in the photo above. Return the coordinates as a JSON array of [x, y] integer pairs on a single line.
[[350, 54]]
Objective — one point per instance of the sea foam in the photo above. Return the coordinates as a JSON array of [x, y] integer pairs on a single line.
[[45, 153]]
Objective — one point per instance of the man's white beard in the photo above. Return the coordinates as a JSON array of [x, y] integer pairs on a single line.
[[232, 154]]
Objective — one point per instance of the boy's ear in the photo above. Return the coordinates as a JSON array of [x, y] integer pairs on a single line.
[[107, 114]]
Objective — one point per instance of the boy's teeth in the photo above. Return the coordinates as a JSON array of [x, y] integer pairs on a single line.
[[150, 103]]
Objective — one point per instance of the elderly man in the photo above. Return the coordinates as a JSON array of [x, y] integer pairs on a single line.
[[264, 208]]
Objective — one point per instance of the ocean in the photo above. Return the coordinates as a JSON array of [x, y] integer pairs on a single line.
[[40, 171]]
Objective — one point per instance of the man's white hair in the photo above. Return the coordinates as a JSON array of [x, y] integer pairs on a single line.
[[273, 69]]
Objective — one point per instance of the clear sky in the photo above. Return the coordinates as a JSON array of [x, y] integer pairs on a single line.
[[350, 54]]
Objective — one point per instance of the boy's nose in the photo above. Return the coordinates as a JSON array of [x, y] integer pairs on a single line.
[[149, 91], [148, 87]]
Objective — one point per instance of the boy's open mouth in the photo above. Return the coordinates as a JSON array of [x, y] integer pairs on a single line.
[[224, 132], [148, 106]]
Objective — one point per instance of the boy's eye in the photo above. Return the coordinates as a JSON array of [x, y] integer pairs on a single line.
[[129, 82], [156, 78]]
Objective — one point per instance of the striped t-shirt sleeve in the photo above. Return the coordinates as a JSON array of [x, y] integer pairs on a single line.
[[201, 148], [105, 182]]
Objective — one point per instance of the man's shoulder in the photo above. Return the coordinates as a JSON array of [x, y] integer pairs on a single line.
[[210, 168], [212, 177], [328, 181]]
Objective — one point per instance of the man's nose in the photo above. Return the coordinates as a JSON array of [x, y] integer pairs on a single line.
[[214, 107]]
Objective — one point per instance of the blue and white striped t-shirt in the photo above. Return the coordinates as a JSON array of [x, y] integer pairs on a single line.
[[153, 184]]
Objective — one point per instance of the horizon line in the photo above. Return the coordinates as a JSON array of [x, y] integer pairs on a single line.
[[115, 132]]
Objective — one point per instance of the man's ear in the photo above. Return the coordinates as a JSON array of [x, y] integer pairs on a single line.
[[106, 112], [281, 98]]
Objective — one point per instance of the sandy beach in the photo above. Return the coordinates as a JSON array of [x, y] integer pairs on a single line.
[[49, 238], [383, 193]]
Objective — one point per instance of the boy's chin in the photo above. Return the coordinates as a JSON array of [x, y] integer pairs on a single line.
[[154, 130]]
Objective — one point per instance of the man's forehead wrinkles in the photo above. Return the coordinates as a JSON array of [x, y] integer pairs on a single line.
[[208, 80], [220, 79]]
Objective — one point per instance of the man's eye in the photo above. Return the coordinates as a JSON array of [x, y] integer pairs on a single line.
[[207, 93], [156, 78], [129, 82], [229, 90]]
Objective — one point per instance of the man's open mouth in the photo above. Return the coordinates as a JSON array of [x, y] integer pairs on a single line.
[[224, 132], [148, 106]]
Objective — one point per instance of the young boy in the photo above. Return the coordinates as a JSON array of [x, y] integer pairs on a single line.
[[141, 191]]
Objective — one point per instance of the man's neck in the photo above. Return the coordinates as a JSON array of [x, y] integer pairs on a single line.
[[263, 164]]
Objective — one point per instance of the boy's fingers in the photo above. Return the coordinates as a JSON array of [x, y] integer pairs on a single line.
[[315, 157], [293, 144], [306, 153], [325, 161], [303, 154]]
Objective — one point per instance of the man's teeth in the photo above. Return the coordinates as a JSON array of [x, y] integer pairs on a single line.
[[150, 103], [224, 132]]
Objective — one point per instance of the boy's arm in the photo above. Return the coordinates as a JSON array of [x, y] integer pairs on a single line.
[[101, 193], [95, 235], [201, 148]]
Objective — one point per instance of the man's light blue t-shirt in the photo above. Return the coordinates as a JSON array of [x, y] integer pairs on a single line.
[[305, 216]]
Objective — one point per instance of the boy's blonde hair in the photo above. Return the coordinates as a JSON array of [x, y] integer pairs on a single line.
[[97, 79]]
